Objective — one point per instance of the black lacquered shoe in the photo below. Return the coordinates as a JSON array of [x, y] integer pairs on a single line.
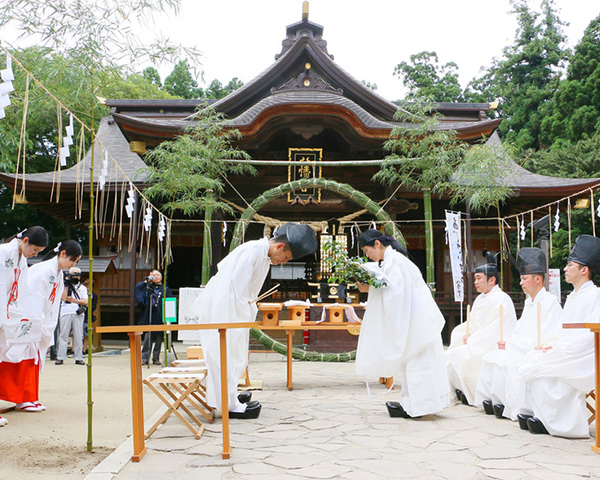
[[244, 397], [252, 411], [522, 418], [499, 410], [536, 426], [488, 408], [462, 397], [397, 410]]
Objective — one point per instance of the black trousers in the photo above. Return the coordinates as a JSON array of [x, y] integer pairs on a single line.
[[152, 343]]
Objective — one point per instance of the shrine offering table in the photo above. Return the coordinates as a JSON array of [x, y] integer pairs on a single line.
[[595, 329], [290, 329], [137, 396]]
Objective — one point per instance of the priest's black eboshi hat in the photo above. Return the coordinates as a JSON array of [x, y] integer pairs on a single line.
[[531, 260], [586, 252], [490, 269], [302, 239]]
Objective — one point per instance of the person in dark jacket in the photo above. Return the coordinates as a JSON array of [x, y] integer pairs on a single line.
[[148, 296]]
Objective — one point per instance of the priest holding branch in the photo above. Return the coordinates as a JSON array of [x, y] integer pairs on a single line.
[[491, 318]]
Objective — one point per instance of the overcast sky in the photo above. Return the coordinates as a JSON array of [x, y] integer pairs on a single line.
[[367, 38]]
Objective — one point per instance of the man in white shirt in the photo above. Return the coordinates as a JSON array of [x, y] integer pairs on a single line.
[[72, 312], [477, 336], [558, 377], [496, 385]]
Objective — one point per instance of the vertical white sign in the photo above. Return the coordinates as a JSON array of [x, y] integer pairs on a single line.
[[554, 282], [453, 232], [187, 297]]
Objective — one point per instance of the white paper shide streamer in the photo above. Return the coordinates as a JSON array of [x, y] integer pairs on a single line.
[[67, 142], [148, 217], [523, 232], [454, 239], [161, 228], [104, 172], [557, 217], [224, 234], [6, 86], [130, 207]]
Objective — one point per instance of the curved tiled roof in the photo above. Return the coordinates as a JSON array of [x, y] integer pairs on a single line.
[[110, 136]]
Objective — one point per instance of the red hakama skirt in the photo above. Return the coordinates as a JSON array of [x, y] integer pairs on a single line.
[[20, 382]]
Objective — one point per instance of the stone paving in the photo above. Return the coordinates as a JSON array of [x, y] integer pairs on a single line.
[[326, 428]]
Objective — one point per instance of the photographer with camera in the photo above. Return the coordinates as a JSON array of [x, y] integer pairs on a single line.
[[72, 315], [148, 296]]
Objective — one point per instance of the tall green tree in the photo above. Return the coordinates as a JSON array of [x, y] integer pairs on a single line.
[[575, 111], [426, 78], [187, 174], [527, 75], [181, 83], [216, 90], [152, 75]]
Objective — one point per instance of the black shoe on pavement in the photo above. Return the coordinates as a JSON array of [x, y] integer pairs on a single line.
[[252, 411], [244, 397], [397, 410], [536, 426], [79, 362], [522, 418], [488, 408], [156, 362], [58, 362], [499, 410]]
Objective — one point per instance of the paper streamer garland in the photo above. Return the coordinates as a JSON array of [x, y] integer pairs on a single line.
[[104, 172], [7, 86], [523, 232], [161, 228], [557, 217], [148, 217]]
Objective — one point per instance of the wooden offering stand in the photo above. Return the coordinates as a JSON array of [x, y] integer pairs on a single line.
[[297, 312], [270, 313], [336, 314]]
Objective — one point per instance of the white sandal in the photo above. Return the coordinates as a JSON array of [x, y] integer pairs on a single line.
[[27, 407]]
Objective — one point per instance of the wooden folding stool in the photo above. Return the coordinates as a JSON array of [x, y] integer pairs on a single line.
[[181, 387], [590, 403]]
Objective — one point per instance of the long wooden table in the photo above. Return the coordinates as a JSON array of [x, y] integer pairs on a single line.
[[137, 395], [289, 329], [595, 329]]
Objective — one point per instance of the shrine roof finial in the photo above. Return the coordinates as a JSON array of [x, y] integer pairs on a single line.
[[305, 11], [303, 28]]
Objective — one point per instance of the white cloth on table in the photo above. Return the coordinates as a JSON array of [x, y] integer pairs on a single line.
[[465, 359], [401, 336], [557, 380], [226, 299], [298, 303], [349, 312], [497, 378]]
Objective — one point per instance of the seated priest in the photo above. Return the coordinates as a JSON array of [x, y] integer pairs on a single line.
[[400, 334], [558, 377], [471, 340], [229, 298], [496, 388]]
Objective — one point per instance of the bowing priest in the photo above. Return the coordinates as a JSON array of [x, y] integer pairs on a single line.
[[496, 389], [229, 298], [485, 326], [401, 331], [558, 377]]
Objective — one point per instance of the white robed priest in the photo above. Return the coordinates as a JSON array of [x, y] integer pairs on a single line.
[[401, 331], [473, 339], [497, 386], [558, 377], [228, 298]]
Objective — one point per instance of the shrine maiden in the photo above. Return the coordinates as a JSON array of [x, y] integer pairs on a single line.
[[228, 298], [473, 339], [401, 331], [558, 377], [18, 331], [46, 286], [497, 387]]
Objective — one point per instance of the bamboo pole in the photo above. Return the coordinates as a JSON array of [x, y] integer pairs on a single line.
[[430, 269]]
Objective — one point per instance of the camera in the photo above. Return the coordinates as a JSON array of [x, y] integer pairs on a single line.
[[81, 310], [149, 278], [70, 280]]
